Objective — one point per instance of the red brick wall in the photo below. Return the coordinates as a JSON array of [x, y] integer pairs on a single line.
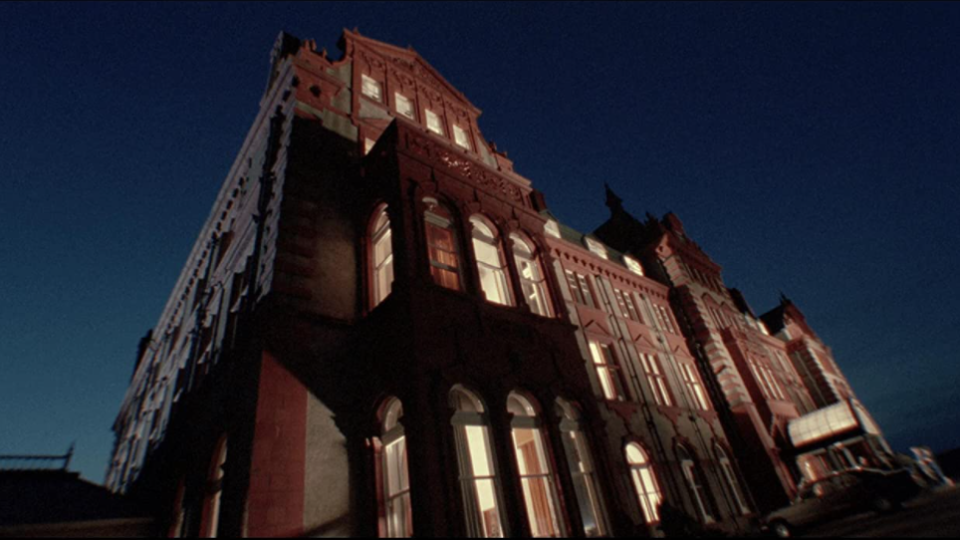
[[276, 499]]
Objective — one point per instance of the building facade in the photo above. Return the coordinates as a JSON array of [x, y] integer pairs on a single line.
[[383, 330]]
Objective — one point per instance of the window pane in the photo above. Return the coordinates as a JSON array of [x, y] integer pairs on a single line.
[[433, 122], [404, 105], [537, 482], [382, 259], [370, 88]]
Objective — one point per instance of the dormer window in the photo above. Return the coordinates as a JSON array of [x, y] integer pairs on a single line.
[[404, 105], [370, 87], [552, 228], [433, 123], [460, 137], [633, 265], [597, 248]]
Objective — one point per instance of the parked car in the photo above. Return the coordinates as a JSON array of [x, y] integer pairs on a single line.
[[842, 494]]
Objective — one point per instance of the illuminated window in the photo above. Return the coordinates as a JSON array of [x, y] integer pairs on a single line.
[[694, 386], [533, 282], [730, 478], [536, 478], [628, 309], [633, 265], [552, 228], [608, 371], [580, 289], [442, 245], [491, 264], [433, 123], [580, 463], [644, 483], [404, 105], [368, 145], [478, 479], [694, 477], [213, 491], [396, 511], [381, 257], [596, 247], [460, 137], [656, 379], [666, 322], [370, 87], [762, 327]]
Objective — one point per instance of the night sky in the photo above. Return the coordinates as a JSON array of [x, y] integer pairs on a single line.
[[808, 148]]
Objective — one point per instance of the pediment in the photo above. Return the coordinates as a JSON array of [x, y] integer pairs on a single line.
[[597, 326], [405, 62]]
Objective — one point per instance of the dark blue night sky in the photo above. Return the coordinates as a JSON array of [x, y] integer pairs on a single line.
[[809, 148]]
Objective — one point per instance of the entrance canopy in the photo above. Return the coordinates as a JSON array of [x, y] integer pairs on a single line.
[[844, 418]]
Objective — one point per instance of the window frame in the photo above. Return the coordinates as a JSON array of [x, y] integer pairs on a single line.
[[445, 222], [491, 238], [691, 379], [525, 417], [649, 497], [399, 98], [540, 287], [656, 378], [366, 82], [462, 421], [430, 115], [579, 457], [609, 370], [379, 232], [391, 434]]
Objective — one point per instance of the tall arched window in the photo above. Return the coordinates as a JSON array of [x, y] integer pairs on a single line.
[[695, 481], [533, 281], [580, 463], [213, 490], [478, 476], [536, 477], [491, 264], [381, 257], [644, 483], [442, 244], [396, 511], [730, 478]]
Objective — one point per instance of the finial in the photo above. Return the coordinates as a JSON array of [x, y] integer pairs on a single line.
[[614, 203]]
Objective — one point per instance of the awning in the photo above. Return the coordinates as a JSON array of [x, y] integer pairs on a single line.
[[830, 422]]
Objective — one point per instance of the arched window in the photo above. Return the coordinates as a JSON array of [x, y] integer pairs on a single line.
[[730, 478], [442, 244], [381, 257], [396, 511], [478, 476], [536, 477], [580, 462], [695, 481], [491, 264], [213, 490], [644, 483], [533, 281]]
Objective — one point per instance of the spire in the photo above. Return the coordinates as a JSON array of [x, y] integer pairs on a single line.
[[784, 300], [614, 203]]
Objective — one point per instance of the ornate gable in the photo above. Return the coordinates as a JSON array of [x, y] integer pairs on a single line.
[[409, 68]]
